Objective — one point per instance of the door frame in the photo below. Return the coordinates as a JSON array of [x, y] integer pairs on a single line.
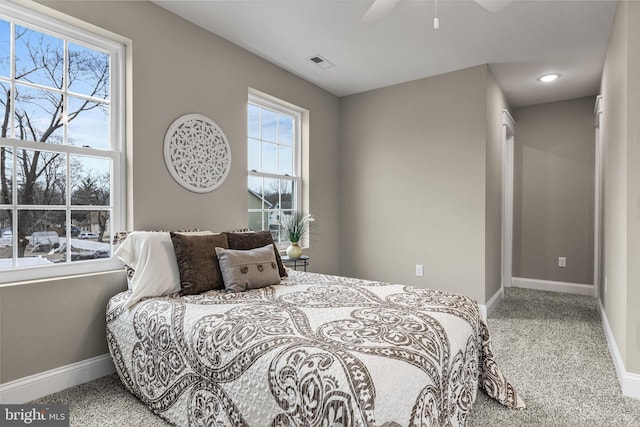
[[597, 208], [508, 139]]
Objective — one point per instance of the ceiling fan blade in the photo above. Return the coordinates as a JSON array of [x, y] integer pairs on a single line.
[[378, 10], [494, 5]]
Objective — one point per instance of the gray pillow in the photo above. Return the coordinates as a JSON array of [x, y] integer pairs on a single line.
[[248, 269], [252, 240]]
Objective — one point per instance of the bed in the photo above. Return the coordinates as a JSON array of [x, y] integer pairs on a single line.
[[314, 350]]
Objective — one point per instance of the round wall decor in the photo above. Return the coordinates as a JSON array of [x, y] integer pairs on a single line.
[[197, 153]]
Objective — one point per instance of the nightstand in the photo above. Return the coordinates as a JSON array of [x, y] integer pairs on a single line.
[[301, 262]]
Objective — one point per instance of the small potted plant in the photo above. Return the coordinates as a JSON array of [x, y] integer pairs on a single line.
[[294, 226]]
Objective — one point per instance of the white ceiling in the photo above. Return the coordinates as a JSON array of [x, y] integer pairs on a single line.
[[521, 42]]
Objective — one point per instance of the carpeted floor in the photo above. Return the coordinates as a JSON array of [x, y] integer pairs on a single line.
[[551, 347]]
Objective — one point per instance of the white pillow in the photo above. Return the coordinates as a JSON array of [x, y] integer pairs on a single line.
[[152, 257]]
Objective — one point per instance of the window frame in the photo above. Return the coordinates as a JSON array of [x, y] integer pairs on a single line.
[[116, 153], [282, 107]]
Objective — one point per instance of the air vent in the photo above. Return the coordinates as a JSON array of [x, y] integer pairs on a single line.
[[321, 61]]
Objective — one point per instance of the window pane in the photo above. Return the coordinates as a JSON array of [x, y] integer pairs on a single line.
[[88, 71], [38, 115], [269, 158], [92, 233], [255, 192], [6, 175], [285, 162], [286, 195], [253, 162], [39, 234], [272, 202], [277, 235], [257, 222], [88, 124], [41, 178], [5, 48], [39, 58], [5, 103], [269, 125], [285, 129], [253, 122], [274, 223], [6, 239], [90, 181], [286, 215], [271, 193]]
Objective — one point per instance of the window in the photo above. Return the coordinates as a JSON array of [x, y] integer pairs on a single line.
[[61, 147], [274, 146]]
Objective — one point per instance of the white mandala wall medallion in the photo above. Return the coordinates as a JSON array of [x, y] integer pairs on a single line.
[[197, 153]]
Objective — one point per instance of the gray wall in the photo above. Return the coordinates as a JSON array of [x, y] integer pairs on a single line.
[[177, 68], [621, 208], [51, 324], [414, 170], [553, 191]]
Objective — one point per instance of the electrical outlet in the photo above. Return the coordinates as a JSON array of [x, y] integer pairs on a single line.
[[562, 261], [419, 270]]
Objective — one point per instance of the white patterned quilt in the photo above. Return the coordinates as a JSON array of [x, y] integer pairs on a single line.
[[316, 350]]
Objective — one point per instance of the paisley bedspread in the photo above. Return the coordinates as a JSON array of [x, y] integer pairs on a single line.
[[316, 350]]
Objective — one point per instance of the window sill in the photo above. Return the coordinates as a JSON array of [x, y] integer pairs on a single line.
[[21, 276]]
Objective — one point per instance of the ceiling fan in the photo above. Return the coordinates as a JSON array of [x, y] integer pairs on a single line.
[[380, 8]]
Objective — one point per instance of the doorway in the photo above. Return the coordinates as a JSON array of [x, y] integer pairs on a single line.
[[508, 173]]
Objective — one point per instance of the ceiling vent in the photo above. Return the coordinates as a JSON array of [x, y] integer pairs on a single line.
[[321, 61]]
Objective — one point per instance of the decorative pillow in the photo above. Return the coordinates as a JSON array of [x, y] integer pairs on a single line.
[[252, 240], [198, 262], [121, 236], [151, 256], [248, 269]]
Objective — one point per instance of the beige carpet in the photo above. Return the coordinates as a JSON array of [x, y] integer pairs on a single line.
[[553, 349]]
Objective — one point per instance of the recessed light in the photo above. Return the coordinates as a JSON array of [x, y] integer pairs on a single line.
[[548, 78]]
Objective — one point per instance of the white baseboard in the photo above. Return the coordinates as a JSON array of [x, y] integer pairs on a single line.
[[629, 382], [39, 385], [486, 309], [550, 285]]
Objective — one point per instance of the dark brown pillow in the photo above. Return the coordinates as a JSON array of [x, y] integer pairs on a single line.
[[253, 240], [198, 262]]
